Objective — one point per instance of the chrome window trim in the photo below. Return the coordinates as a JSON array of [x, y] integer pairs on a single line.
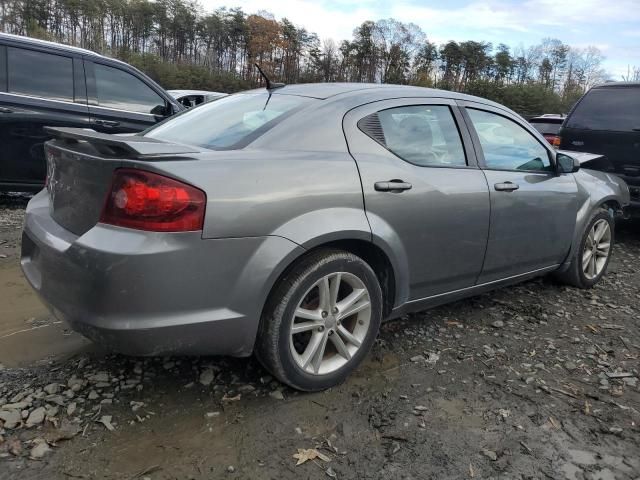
[[66, 102]]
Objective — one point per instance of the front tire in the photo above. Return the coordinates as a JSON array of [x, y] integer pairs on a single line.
[[321, 320], [591, 258]]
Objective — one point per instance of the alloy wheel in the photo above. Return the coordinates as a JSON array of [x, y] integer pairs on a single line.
[[330, 323], [596, 249]]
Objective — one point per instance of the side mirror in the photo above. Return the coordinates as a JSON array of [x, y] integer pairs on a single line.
[[567, 164], [162, 110]]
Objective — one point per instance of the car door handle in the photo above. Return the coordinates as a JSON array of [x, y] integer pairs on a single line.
[[394, 186], [5, 110], [107, 123], [506, 187]]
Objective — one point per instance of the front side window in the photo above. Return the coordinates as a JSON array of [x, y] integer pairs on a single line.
[[118, 89], [613, 108], [508, 146], [230, 122], [425, 135], [40, 74]]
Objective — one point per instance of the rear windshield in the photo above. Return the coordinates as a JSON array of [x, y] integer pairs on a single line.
[[231, 122], [615, 108], [545, 127]]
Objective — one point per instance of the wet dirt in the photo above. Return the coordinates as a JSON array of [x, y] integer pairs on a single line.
[[532, 381]]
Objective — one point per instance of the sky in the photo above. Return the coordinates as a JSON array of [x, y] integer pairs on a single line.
[[611, 25]]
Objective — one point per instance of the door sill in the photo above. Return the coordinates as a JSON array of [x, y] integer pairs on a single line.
[[446, 297]]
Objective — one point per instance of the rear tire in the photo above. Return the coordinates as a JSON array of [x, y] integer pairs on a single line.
[[591, 257], [320, 321]]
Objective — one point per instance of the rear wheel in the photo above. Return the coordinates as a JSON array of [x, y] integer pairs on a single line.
[[591, 258], [321, 320]]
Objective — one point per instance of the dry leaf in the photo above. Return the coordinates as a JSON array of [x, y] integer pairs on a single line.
[[106, 421], [306, 454], [472, 473]]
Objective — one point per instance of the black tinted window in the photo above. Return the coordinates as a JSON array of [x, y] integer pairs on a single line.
[[506, 145], [424, 135], [40, 74], [548, 128], [616, 108], [121, 90], [228, 122]]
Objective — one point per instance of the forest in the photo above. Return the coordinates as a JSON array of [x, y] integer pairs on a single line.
[[181, 45]]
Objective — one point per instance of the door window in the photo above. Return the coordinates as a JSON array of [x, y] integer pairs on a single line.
[[425, 135], [507, 145], [40, 74], [121, 90]]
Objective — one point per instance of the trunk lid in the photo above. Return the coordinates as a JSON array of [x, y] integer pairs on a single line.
[[80, 166]]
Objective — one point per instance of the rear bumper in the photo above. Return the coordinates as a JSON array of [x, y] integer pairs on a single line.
[[147, 293]]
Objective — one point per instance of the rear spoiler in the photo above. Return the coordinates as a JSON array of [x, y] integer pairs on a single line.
[[134, 146]]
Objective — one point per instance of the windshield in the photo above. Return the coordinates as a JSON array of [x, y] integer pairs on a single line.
[[231, 122]]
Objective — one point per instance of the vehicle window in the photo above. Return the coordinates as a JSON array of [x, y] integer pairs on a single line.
[[40, 74], [229, 122], [616, 108], [548, 128], [506, 145], [121, 90], [425, 135]]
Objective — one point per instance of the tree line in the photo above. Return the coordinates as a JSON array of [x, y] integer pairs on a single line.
[[181, 45]]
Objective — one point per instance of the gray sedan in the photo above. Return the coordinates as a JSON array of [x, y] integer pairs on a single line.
[[290, 222]]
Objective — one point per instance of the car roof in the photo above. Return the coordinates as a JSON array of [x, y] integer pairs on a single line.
[[182, 93], [378, 91], [35, 42], [548, 118], [618, 85]]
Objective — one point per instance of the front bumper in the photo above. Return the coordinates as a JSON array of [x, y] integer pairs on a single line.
[[147, 293]]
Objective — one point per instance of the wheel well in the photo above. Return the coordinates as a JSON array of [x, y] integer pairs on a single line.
[[613, 205], [370, 253]]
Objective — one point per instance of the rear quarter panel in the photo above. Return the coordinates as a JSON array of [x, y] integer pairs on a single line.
[[307, 197]]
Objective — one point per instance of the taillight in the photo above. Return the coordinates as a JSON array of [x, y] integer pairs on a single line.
[[148, 201], [556, 142]]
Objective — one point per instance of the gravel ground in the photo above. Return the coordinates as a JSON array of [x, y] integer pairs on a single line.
[[533, 381]]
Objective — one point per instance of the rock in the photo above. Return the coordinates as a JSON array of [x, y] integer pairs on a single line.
[[52, 388], [277, 394], [418, 358], [93, 395], [498, 324], [212, 414], [15, 447], [231, 469], [591, 351], [36, 417], [17, 406], [71, 408], [11, 418], [52, 411], [40, 450], [490, 454], [571, 366], [100, 377], [207, 376], [630, 381]]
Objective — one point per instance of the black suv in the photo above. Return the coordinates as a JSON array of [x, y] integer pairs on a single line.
[[48, 84], [606, 120]]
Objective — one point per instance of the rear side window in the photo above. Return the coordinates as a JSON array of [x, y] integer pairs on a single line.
[[40, 74], [506, 145], [230, 122], [425, 135], [616, 108], [121, 90]]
